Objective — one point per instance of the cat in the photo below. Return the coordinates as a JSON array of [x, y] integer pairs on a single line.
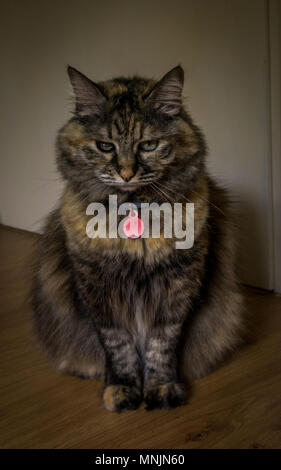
[[145, 317]]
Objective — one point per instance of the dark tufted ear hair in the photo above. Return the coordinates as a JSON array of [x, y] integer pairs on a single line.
[[165, 96], [89, 98]]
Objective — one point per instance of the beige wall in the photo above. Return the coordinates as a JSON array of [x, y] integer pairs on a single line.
[[222, 45]]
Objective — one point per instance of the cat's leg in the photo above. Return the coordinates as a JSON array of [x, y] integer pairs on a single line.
[[123, 375], [123, 382], [162, 388]]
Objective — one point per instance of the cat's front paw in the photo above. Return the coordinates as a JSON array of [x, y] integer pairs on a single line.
[[165, 396], [121, 398]]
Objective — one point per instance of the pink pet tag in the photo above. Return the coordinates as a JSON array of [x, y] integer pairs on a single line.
[[134, 226]]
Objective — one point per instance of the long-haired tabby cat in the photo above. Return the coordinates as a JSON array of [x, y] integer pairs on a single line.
[[139, 313]]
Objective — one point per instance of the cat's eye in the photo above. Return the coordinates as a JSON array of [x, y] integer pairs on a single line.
[[148, 145], [105, 146]]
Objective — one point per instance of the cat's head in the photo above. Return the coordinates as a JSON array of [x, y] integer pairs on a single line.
[[129, 135]]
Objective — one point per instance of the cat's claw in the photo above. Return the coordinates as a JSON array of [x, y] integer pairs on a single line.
[[166, 396], [121, 398]]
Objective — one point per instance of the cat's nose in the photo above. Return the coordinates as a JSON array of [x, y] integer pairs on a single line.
[[127, 174]]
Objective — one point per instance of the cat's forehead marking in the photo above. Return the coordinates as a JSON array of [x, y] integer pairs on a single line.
[[139, 130], [128, 129], [119, 125]]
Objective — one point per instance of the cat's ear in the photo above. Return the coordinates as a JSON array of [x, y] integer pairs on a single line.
[[89, 98], [165, 96]]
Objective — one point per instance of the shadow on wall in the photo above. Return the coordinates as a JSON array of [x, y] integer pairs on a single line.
[[250, 239]]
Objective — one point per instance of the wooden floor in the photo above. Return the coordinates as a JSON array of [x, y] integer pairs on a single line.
[[238, 406]]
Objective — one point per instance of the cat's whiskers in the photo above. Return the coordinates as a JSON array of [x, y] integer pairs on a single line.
[[161, 191], [155, 189], [147, 176], [169, 188], [207, 200]]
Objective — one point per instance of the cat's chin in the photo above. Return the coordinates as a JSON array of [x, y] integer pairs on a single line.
[[126, 187]]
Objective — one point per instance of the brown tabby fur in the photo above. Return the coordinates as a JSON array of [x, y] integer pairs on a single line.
[[140, 314]]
